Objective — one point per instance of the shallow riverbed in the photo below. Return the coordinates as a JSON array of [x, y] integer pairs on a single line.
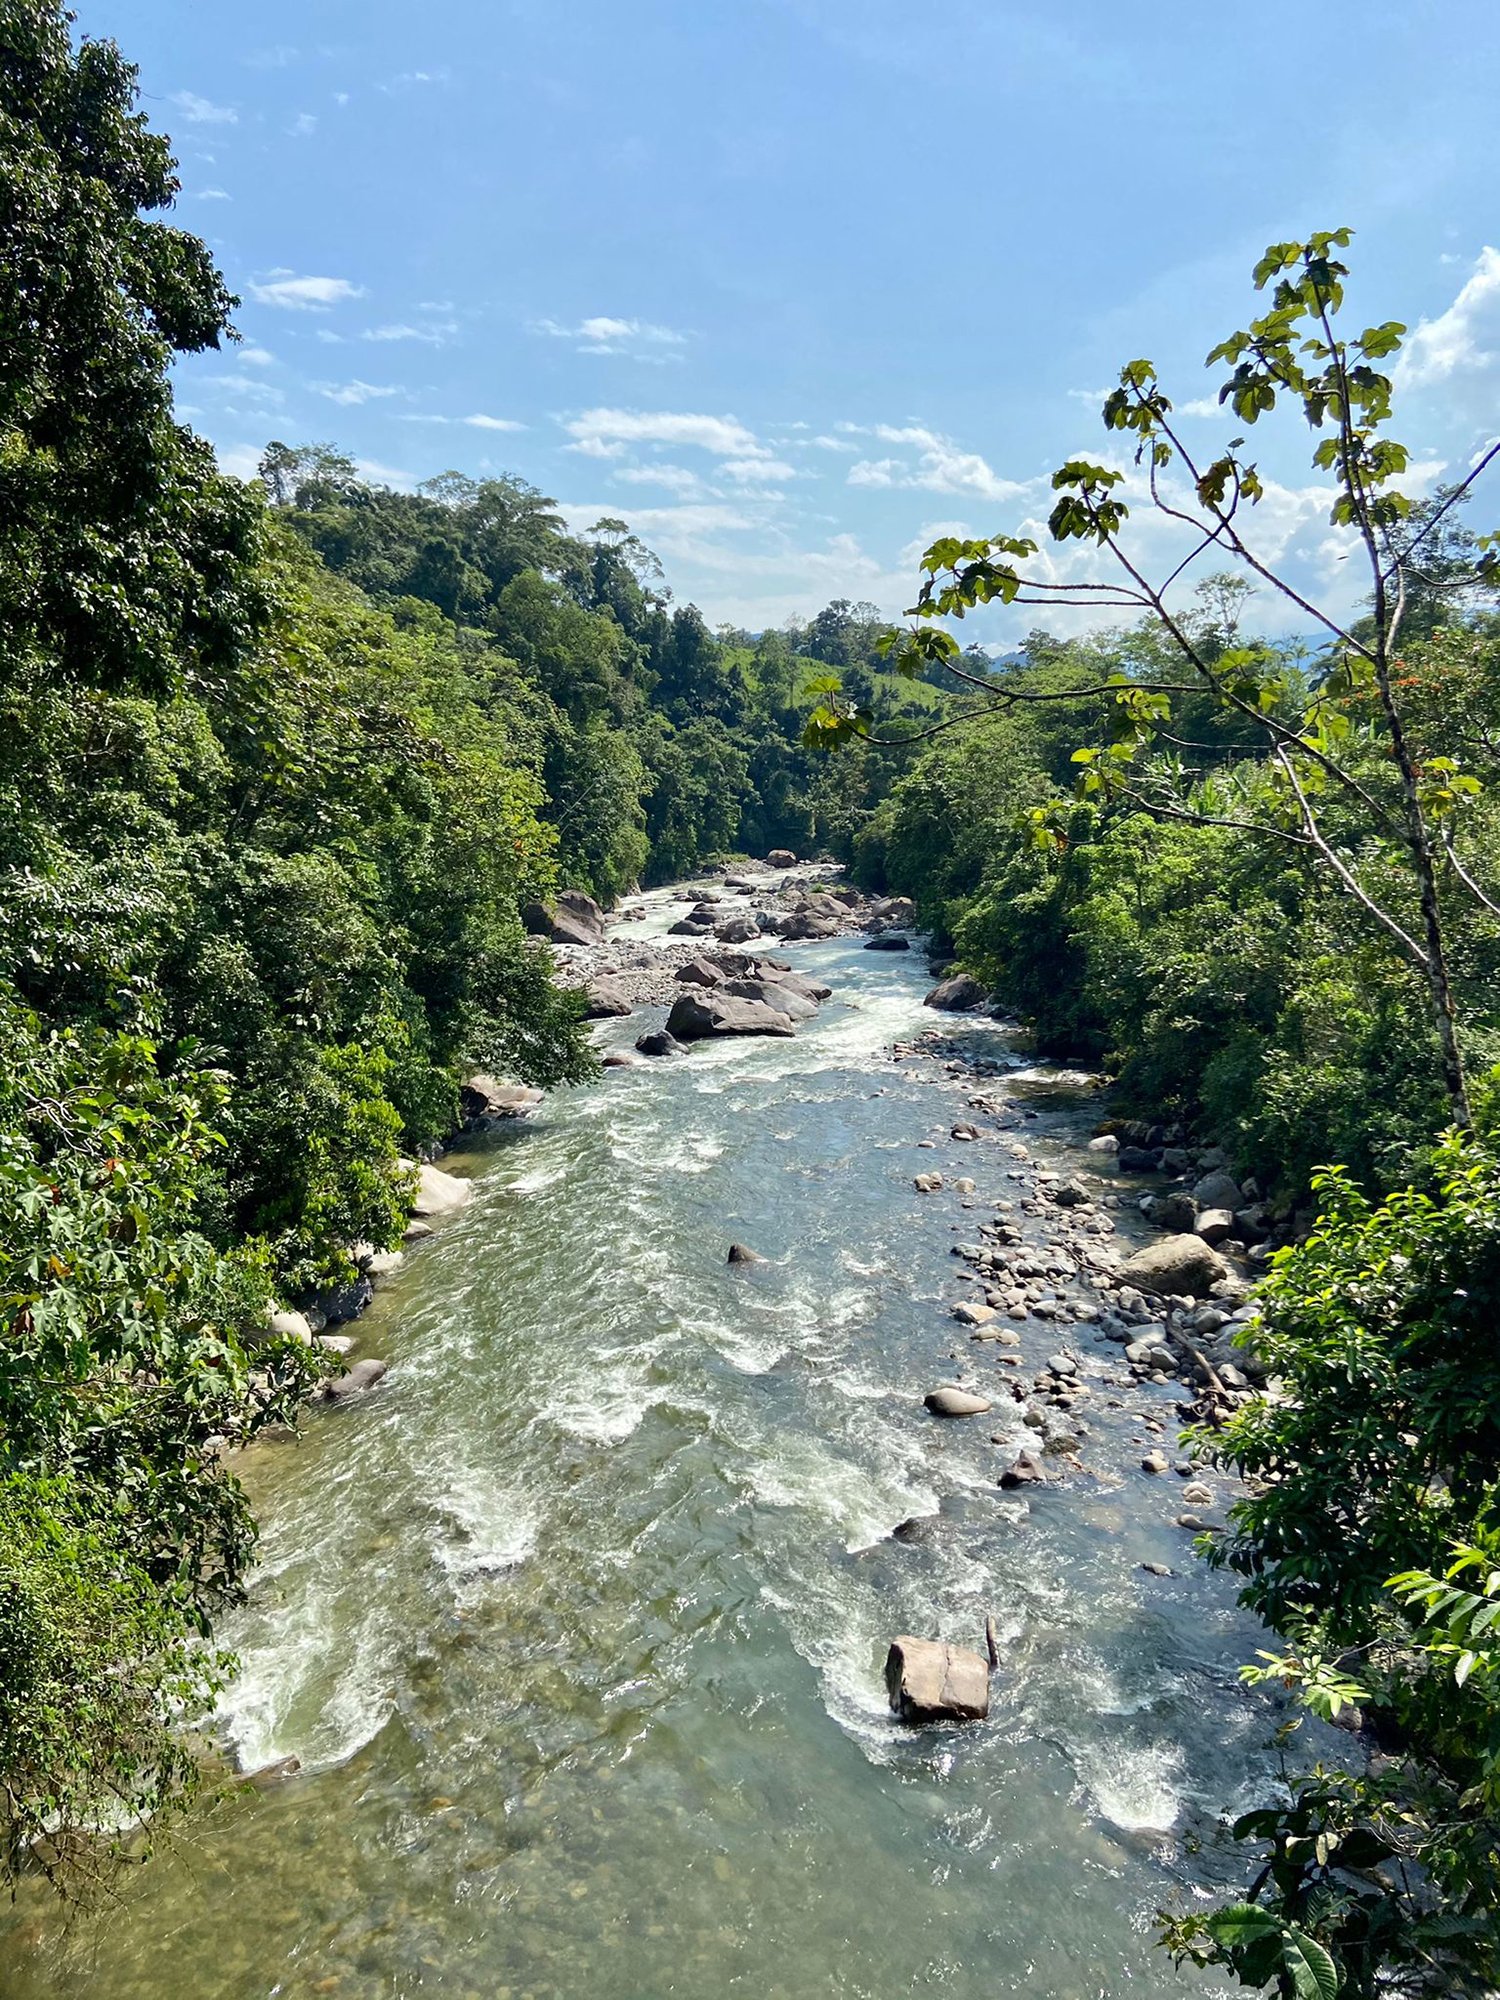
[[577, 1622]]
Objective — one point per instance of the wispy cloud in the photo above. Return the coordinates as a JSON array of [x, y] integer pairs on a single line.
[[211, 194], [202, 111], [302, 126], [293, 294], [1454, 342], [376, 474], [940, 466], [833, 444], [351, 394], [639, 339], [256, 357], [675, 478], [756, 471], [438, 334], [478, 422], [413, 79], [606, 433]]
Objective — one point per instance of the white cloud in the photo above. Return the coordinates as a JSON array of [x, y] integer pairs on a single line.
[[412, 79], [833, 444], [330, 338], [640, 339], [676, 478], [212, 194], [240, 385], [478, 421], [201, 111], [605, 433], [436, 335], [292, 294], [303, 125], [1453, 342], [940, 466], [384, 475], [240, 461], [755, 471], [351, 394], [257, 357]]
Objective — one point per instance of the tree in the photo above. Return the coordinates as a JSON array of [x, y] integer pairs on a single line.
[[124, 555], [1348, 788]]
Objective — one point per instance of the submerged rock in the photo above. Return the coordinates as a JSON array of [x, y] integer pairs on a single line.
[[363, 1375], [657, 1042], [930, 1681], [889, 941], [740, 1253]]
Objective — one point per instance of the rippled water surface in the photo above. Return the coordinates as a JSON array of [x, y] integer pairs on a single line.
[[577, 1623]]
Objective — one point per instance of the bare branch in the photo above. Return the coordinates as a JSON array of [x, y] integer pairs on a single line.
[[1316, 839]]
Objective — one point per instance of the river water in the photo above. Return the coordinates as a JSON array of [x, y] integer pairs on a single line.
[[577, 1622]]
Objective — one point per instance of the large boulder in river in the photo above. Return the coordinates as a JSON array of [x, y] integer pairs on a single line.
[[785, 999], [581, 911], [930, 1681], [737, 930], [1175, 1266], [777, 973], [573, 918], [956, 995], [889, 941], [804, 925], [697, 1016], [950, 1401], [657, 1042], [1218, 1190], [606, 999], [484, 1098], [690, 927], [438, 1193], [893, 910], [699, 972], [781, 857]]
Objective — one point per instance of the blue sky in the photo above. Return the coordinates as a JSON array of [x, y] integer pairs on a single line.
[[794, 284]]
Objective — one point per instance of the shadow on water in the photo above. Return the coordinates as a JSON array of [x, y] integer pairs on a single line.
[[577, 1623]]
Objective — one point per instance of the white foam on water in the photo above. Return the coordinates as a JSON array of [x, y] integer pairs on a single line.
[[859, 1503], [1136, 1787], [318, 1664], [535, 1182], [493, 1528], [742, 1348]]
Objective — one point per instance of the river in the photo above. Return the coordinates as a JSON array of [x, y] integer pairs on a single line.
[[577, 1622]]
